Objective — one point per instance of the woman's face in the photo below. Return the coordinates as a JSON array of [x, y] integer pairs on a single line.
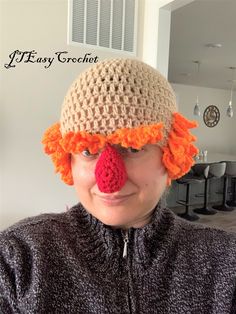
[[131, 206]]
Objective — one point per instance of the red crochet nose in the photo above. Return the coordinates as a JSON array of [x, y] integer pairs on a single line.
[[110, 171]]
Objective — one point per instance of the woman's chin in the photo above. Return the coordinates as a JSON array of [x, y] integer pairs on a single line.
[[114, 216]]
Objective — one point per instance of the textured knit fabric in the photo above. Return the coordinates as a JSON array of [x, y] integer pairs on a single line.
[[72, 263], [115, 94]]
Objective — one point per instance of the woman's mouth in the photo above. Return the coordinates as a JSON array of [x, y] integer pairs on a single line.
[[113, 199]]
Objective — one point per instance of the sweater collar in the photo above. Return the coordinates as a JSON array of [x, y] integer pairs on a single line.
[[102, 245]]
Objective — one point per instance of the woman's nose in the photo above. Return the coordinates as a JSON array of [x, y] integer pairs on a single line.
[[110, 171]]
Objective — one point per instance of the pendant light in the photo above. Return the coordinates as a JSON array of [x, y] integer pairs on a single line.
[[196, 110], [229, 111]]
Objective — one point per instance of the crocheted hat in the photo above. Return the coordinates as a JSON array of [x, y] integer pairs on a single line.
[[125, 102]]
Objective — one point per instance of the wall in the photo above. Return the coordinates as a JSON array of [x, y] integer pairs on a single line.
[[220, 138], [156, 27]]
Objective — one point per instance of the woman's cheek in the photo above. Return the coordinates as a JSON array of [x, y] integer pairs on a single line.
[[84, 174]]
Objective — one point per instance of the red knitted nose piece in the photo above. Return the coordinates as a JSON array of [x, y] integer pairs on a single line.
[[110, 171]]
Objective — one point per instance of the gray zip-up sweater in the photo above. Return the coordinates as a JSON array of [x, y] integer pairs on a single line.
[[72, 263]]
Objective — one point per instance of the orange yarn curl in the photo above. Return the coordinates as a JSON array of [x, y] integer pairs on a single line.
[[177, 154], [51, 141]]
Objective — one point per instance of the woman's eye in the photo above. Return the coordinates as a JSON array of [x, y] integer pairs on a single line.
[[133, 150], [130, 151], [86, 153]]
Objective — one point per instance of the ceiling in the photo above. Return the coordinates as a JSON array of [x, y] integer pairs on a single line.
[[192, 27]]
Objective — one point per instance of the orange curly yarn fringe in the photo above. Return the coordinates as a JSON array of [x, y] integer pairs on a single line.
[[61, 159], [179, 152], [137, 137], [60, 147]]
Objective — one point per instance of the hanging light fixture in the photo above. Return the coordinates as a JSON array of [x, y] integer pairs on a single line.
[[229, 111], [196, 110]]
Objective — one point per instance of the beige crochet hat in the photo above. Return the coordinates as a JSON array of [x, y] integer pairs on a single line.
[[115, 94], [125, 102]]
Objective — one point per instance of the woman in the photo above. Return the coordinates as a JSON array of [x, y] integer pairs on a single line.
[[120, 141]]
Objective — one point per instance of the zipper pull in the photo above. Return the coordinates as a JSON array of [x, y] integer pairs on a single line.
[[126, 241]]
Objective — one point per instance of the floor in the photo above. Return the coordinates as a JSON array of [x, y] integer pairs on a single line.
[[222, 220]]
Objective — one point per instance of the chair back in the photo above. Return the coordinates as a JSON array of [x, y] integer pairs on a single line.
[[217, 169], [230, 168], [201, 170]]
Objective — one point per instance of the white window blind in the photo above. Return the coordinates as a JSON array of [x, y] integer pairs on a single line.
[[109, 24]]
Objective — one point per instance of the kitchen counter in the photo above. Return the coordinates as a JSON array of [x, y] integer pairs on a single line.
[[217, 157]]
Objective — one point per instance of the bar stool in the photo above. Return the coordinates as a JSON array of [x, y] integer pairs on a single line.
[[216, 170], [232, 203], [230, 172], [187, 180]]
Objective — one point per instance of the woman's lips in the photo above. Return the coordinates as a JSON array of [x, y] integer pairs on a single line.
[[113, 200]]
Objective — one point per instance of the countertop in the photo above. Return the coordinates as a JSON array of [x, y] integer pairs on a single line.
[[216, 157]]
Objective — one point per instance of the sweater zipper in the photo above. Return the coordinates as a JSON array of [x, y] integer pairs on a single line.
[[125, 235], [126, 241]]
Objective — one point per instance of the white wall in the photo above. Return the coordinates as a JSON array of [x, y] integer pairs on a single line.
[[220, 138], [156, 27]]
